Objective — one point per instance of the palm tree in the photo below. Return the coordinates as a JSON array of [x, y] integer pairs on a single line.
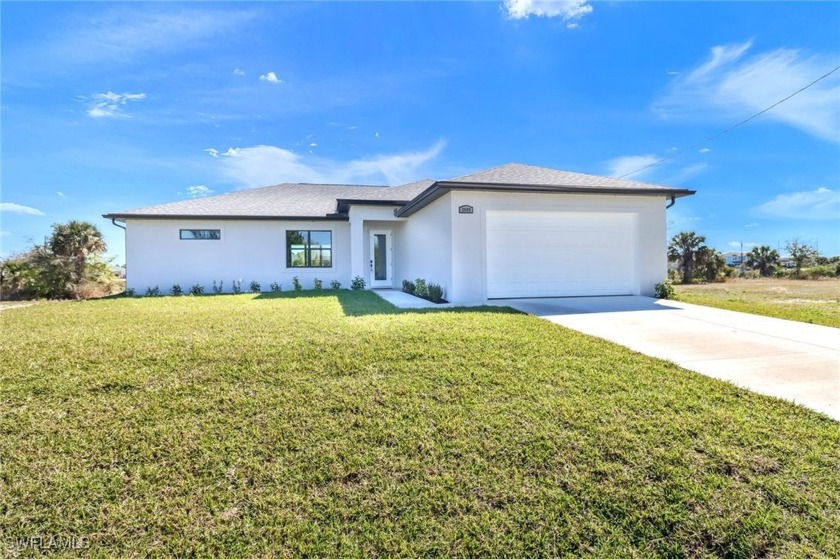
[[75, 241], [683, 250], [764, 259], [709, 263]]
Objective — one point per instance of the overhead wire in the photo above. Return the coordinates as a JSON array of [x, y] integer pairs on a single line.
[[731, 128]]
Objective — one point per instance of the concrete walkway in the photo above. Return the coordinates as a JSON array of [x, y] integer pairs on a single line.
[[792, 360], [403, 300]]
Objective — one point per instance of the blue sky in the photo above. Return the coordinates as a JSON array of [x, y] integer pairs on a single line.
[[108, 107]]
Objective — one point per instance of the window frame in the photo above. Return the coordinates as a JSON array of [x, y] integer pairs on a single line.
[[308, 249], [181, 236]]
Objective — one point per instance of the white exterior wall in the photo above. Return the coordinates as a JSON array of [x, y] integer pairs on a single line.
[[425, 245], [468, 264], [437, 244], [251, 250]]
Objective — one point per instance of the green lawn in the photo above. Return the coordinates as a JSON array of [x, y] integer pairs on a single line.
[[331, 425], [814, 301]]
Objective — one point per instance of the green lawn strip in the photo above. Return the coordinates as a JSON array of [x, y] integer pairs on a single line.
[[827, 314], [335, 425]]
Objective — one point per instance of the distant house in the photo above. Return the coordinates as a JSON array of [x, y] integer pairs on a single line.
[[734, 258], [509, 231]]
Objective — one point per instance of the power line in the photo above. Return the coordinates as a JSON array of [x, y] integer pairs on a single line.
[[731, 128]]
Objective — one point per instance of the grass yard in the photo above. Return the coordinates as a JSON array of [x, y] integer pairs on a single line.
[[815, 301], [331, 425]]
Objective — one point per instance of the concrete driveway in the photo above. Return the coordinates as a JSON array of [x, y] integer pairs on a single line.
[[791, 360]]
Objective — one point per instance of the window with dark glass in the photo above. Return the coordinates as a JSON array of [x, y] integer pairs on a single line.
[[309, 249], [201, 234]]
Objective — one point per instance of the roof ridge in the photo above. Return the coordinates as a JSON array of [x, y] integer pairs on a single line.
[[335, 184], [487, 170]]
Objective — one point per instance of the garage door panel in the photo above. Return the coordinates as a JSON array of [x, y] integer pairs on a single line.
[[544, 254]]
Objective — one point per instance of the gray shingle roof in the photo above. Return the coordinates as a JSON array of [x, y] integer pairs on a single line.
[[282, 200], [517, 173], [321, 201]]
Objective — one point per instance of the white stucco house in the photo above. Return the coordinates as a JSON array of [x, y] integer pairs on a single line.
[[510, 231]]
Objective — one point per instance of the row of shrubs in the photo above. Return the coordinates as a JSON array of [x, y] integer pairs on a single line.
[[236, 288], [419, 288], [727, 272]]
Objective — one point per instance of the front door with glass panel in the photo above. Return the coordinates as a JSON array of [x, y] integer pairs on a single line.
[[380, 259]]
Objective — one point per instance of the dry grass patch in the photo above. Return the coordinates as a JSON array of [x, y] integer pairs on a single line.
[[814, 301]]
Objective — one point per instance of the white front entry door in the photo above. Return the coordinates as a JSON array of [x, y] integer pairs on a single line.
[[380, 258]]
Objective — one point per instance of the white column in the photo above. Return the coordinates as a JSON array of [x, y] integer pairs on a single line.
[[357, 247]]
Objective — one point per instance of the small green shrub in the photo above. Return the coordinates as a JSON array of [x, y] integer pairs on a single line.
[[275, 287], [435, 292], [817, 272], [296, 284], [130, 292], [335, 284], [153, 291], [197, 289], [217, 289], [664, 290], [236, 286], [318, 284], [408, 286], [176, 290], [420, 288], [255, 287], [358, 283]]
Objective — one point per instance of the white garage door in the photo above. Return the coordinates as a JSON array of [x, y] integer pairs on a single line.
[[554, 254]]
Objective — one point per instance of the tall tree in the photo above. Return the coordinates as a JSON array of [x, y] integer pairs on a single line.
[[710, 263], [74, 242], [802, 254], [683, 250], [764, 259]]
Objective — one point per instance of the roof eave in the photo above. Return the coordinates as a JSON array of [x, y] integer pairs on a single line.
[[343, 204], [329, 217], [440, 188]]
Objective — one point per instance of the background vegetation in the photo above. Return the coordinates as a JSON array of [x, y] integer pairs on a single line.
[[694, 260], [67, 266]]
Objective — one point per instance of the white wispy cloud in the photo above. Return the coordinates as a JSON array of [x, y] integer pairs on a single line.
[[60, 194], [199, 191], [266, 165], [685, 173], [5, 233], [732, 83], [641, 167], [110, 104], [11, 207], [213, 152], [238, 72], [625, 164], [738, 244], [751, 225], [819, 204], [123, 34], [568, 10], [270, 77], [705, 150]]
